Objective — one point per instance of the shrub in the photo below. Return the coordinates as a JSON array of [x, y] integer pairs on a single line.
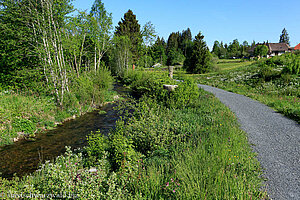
[[185, 93], [23, 125]]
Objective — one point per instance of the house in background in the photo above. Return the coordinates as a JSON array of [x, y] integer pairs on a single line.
[[297, 47], [277, 49]]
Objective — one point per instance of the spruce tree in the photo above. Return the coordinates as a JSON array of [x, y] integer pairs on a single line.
[[199, 58], [130, 27], [185, 41], [284, 37]]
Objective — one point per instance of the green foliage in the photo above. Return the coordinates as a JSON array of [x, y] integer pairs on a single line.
[[89, 89], [268, 81], [175, 57], [16, 49], [145, 61], [184, 94], [23, 113], [289, 61], [261, 50], [293, 64], [234, 49], [199, 60], [129, 26], [23, 125], [159, 51], [193, 151], [66, 176]]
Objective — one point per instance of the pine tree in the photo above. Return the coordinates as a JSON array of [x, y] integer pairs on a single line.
[[199, 59], [130, 27], [284, 37]]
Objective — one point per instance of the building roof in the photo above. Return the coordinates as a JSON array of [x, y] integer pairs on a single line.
[[278, 47], [297, 47]]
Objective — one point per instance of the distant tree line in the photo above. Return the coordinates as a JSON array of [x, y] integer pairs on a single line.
[[45, 41], [232, 50]]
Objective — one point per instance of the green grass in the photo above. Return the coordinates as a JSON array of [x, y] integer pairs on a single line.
[[23, 114], [229, 64], [178, 147], [282, 92]]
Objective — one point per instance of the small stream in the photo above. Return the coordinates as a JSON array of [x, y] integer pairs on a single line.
[[24, 156]]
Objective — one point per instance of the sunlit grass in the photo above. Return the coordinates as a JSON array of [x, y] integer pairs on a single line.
[[280, 94]]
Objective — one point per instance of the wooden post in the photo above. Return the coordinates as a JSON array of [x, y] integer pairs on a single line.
[[171, 69]]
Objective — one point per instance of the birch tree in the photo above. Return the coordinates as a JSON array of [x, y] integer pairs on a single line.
[[100, 27], [47, 22]]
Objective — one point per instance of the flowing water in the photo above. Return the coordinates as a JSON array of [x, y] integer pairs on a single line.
[[24, 156]]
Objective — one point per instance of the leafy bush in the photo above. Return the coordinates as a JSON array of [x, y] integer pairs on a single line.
[[267, 72], [23, 125], [89, 88], [293, 67], [66, 178], [184, 94]]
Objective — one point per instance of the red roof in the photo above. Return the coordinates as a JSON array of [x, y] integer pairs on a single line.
[[297, 47]]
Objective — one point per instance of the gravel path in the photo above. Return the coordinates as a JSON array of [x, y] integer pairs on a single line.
[[275, 138]]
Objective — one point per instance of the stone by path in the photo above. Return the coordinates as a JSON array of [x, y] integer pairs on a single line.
[[275, 138]]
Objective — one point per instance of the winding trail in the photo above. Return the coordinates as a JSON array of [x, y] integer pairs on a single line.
[[274, 137]]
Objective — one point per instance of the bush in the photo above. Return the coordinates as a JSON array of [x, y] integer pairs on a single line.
[[23, 125], [184, 94], [88, 89]]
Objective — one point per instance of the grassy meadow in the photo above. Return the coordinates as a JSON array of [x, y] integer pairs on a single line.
[[265, 80]]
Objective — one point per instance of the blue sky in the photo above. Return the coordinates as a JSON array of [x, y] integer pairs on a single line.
[[222, 20]]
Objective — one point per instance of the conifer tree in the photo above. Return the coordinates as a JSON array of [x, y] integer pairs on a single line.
[[185, 41], [129, 26], [159, 51], [284, 37], [217, 49], [199, 59]]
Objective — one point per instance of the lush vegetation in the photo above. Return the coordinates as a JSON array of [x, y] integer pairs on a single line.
[[179, 145], [275, 82]]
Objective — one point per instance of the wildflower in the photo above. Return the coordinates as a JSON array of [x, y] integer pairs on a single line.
[[173, 190], [172, 180], [93, 170], [167, 184]]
